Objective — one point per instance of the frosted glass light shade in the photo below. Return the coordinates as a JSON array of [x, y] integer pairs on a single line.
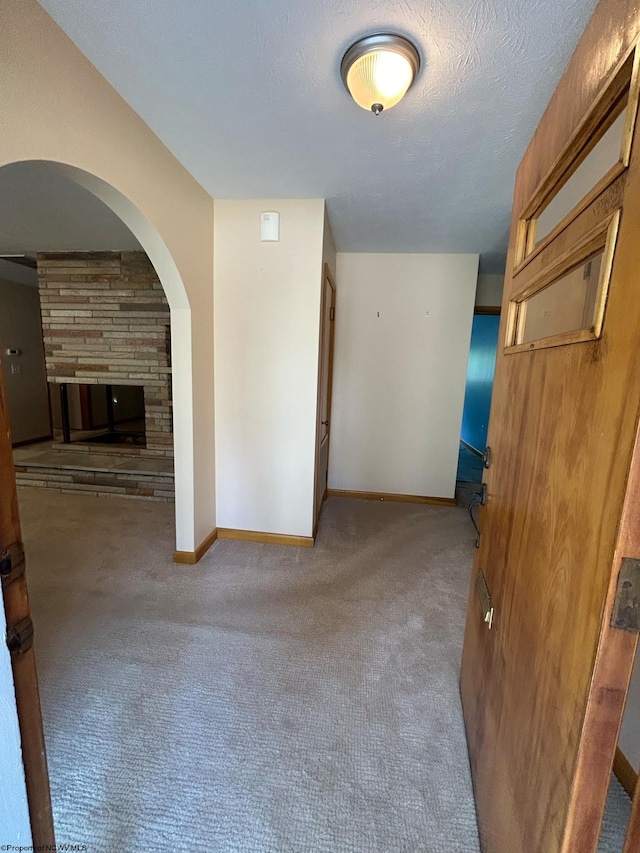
[[378, 70]]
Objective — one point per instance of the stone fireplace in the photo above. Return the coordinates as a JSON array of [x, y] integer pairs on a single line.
[[106, 322]]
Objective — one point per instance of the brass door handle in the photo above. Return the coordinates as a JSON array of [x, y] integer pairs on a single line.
[[485, 598]]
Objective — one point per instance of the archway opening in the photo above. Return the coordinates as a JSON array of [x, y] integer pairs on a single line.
[[64, 213], [76, 279]]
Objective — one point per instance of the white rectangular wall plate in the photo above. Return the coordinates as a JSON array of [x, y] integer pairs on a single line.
[[269, 226]]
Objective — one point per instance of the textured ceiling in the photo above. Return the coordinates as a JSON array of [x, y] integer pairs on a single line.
[[248, 96]]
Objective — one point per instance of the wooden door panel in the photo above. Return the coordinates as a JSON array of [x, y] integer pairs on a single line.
[[555, 492], [608, 689], [543, 689], [325, 357], [611, 32], [325, 381], [323, 465], [577, 231], [538, 599]]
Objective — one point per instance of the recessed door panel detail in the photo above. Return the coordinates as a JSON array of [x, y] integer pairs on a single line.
[[596, 154], [566, 302], [606, 155]]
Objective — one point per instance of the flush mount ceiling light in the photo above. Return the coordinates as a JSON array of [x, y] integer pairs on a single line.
[[378, 70]]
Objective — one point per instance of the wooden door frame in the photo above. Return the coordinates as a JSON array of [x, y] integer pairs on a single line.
[[327, 280], [16, 604]]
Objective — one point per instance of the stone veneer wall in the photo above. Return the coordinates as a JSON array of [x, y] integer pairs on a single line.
[[105, 320]]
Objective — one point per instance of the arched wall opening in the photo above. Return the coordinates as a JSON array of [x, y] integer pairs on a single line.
[[157, 252], [181, 337], [185, 328], [63, 112], [181, 348]]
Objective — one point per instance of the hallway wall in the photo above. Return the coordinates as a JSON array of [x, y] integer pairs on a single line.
[[489, 289], [24, 374], [403, 325], [267, 322]]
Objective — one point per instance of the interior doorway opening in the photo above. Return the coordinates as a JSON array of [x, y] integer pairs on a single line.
[[96, 322], [477, 400]]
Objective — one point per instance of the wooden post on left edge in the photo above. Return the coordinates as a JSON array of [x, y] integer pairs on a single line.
[[16, 604]]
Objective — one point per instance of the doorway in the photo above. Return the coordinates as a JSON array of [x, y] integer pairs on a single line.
[[477, 398], [76, 306]]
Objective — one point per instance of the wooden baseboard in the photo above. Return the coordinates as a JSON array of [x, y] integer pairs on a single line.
[[624, 772], [385, 496], [193, 557], [266, 538]]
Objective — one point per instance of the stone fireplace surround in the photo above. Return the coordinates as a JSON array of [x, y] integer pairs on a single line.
[[105, 320]]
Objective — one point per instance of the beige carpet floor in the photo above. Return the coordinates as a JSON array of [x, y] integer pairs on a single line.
[[267, 700]]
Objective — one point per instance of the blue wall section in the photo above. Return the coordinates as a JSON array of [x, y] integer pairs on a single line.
[[482, 362]]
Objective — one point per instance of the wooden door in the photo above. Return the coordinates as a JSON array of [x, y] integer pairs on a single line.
[[325, 378], [18, 633], [544, 674]]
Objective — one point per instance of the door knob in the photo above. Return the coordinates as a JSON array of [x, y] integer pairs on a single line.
[[324, 423]]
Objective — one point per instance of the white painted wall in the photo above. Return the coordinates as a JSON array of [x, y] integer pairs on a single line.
[[489, 290], [630, 734], [266, 332], [15, 828], [399, 375], [26, 389], [64, 112]]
